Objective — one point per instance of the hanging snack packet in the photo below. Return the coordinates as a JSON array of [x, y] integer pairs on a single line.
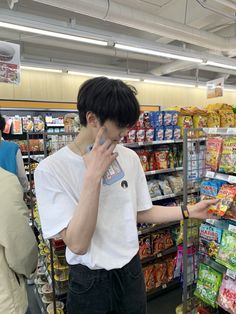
[[227, 251], [210, 238], [208, 284], [214, 148], [227, 196], [228, 157], [227, 295], [210, 188], [161, 159]]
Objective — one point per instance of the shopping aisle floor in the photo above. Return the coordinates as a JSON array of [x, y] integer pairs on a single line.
[[165, 303]]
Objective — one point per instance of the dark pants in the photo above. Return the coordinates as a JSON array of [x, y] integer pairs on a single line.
[[118, 291]]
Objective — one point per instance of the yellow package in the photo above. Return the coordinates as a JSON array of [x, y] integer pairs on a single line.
[[199, 121], [235, 120], [184, 122], [226, 119], [217, 107], [213, 119]]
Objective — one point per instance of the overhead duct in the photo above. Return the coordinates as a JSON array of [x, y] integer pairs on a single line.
[[123, 15], [173, 67]]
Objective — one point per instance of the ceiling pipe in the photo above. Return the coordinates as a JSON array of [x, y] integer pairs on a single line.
[[227, 3], [123, 15], [172, 67]]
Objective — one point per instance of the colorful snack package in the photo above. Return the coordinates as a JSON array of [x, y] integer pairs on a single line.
[[227, 196], [140, 122], [149, 277], [160, 274], [131, 136], [154, 189], [143, 156], [175, 115], [199, 121], [167, 118], [168, 133], [170, 263], [159, 133], [165, 187], [7, 128], [227, 295], [208, 284], [28, 125], [158, 242], [146, 120], [211, 187], [185, 121], [156, 118], [140, 135], [210, 239], [149, 135], [214, 148], [226, 118], [152, 161], [228, 157], [145, 249], [161, 159], [176, 133], [213, 119], [227, 251], [39, 124], [16, 125]]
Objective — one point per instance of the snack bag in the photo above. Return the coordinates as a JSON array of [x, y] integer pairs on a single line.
[[227, 251], [149, 135], [213, 119], [145, 249], [165, 187], [140, 135], [228, 157], [211, 188], [210, 238], [146, 120], [199, 121], [38, 124], [185, 121], [156, 118], [161, 159], [28, 125], [149, 277], [160, 274], [208, 284], [227, 295], [214, 148], [140, 122], [227, 196], [176, 133], [167, 118], [175, 115], [152, 161], [131, 136], [170, 263], [16, 125], [143, 156], [226, 119], [159, 133], [176, 183], [168, 133], [7, 128], [153, 188], [158, 242]]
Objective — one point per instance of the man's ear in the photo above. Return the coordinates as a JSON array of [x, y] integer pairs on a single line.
[[92, 119]]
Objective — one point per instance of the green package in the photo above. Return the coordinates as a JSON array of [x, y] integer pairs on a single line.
[[227, 252], [208, 284], [228, 156]]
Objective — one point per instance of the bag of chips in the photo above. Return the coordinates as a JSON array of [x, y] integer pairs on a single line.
[[227, 196], [227, 295], [214, 148], [228, 157], [227, 251]]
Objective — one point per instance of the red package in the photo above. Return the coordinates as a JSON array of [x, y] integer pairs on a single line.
[[162, 159], [158, 242], [149, 134], [146, 120], [140, 122], [152, 162], [170, 263], [168, 242], [160, 274], [143, 156], [140, 135], [145, 247], [131, 136], [149, 277]]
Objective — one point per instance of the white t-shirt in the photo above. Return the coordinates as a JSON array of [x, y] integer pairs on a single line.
[[58, 183]]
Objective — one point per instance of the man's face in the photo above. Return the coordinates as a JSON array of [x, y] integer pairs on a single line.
[[113, 132]]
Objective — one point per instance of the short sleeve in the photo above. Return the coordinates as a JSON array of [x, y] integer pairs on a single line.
[[144, 201], [55, 206]]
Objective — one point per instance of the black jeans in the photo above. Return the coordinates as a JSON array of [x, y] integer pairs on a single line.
[[118, 291]]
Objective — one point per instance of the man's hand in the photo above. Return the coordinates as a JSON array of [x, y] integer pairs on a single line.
[[101, 156], [200, 210]]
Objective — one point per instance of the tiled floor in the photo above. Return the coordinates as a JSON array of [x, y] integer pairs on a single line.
[[164, 304]]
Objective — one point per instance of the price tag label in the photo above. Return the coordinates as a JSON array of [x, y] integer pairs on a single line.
[[231, 131], [159, 255], [210, 174], [232, 228], [164, 286], [232, 179], [231, 274]]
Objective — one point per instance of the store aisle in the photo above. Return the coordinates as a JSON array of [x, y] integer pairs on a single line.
[[165, 303]]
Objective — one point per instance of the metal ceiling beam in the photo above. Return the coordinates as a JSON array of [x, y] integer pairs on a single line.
[[173, 67]]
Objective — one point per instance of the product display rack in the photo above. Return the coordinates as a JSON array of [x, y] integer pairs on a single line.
[[199, 162]]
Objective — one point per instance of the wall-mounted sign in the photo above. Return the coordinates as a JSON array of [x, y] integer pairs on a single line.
[[215, 88], [9, 63]]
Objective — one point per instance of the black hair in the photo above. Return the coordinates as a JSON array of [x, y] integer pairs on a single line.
[[2, 123], [108, 99]]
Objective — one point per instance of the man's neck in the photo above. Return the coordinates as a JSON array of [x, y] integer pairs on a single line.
[[83, 140]]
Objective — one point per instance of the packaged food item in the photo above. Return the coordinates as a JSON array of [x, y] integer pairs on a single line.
[[226, 118], [176, 183], [185, 121], [208, 284], [149, 277], [165, 187], [161, 159], [61, 271], [156, 118], [59, 305], [71, 122], [154, 189], [16, 125], [7, 128], [39, 124], [199, 121], [143, 156], [227, 196], [61, 286], [213, 119], [228, 156], [176, 132], [47, 292], [149, 134], [211, 187], [159, 134], [158, 242], [145, 248], [28, 125], [152, 161], [146, 120], [227, 252], [210, 239], [160, 273], [131, 136], [214, 148], [175, 115], [168, 133], [170, 263], [167, 118], [227, 295], [140, 135]]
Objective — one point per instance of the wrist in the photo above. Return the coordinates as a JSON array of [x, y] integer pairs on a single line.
[[185, 212], [92, 177]]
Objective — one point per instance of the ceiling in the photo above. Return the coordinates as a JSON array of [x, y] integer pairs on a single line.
[[197, 28]]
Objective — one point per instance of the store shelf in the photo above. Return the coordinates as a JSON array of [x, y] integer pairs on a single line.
[[163, 289], [41, 305], [173, 195], [149, 173], [157, 227], [56, 125], [159, 255], [221, 176], [138, 144], [220, 131]]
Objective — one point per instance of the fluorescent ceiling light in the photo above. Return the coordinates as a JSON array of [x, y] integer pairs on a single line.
[[123, 78], [157, 53], [169, 83], [220, 65], [109, 76], [40, 69], [229, 89], [52, 34], [82, 74]]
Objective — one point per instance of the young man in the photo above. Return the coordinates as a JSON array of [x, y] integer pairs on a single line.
[[98, 221], [18, 246]]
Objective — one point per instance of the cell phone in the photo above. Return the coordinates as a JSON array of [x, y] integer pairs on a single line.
[[114, 173]]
